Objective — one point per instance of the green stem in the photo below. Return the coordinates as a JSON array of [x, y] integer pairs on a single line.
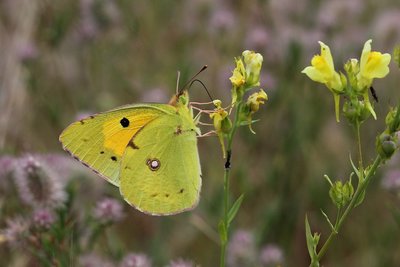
[[360, 189], [361, 165], [235, 124]]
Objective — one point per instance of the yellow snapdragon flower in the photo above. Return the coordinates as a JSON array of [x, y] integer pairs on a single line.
[[246, 74], [322, 70], [373, 64], [238, 77], [222, 123], [253, 105], [255, 100], [253, 62]]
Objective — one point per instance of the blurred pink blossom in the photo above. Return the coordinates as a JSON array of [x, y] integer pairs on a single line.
[[15, 231], [391, 180], [135, 260], [43, 218], [38, 185], [108, 210], [94, 260], [181, 263], [241, 250], [386, 28], [339, 14], [222, 20], [271, 255]]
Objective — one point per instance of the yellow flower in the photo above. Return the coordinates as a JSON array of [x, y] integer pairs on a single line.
[[253, 105], [222, 123], [238, 77], [322, 70], [255, 100], [253, 62], [372, 65]]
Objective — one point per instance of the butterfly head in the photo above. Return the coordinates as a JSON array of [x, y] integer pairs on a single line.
[[180, 99]]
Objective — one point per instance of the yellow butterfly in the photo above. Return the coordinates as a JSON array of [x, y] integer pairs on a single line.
[[148, 150]]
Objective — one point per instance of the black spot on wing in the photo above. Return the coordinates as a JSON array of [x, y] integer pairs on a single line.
[[114, 158], [181, 191], [101, 152], [166, 195], [154, 195], [124, 122]]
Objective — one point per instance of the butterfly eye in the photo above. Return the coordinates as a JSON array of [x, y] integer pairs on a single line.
[[154, 164]]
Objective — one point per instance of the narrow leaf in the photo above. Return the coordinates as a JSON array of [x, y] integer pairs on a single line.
[[329, 222], [354, 167], [244, 123], [312, 242], [234, 209]]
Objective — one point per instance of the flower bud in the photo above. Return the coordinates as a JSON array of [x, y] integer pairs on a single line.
[[221, 121], [340, 193], [392, 120], [255, 99], [355, 111], [252, 106], [352, 68], [386, 145], [253, 62]]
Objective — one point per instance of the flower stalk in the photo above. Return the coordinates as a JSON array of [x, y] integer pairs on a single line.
[[245, 76], [357, 108]]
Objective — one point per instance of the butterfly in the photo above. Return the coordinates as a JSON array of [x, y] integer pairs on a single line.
[[147, 150]]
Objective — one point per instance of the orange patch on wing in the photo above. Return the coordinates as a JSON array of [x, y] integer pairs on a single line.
[[117, 137]]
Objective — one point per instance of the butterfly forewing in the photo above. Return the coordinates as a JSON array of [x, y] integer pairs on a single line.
[[100, 141]]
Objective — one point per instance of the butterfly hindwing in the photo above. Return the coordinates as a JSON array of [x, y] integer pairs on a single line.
[[99, 141], [160, 170]]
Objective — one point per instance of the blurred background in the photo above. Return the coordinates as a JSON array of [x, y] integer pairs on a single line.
[[61, 60]]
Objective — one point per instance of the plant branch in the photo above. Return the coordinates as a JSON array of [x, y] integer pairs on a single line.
[[360, 190]]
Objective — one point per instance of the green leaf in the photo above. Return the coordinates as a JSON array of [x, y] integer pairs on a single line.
[[312, 242], [245, 122], [328, 179], [234, 209], [360, 198], [223, 235], [329, 222], [354, 168]]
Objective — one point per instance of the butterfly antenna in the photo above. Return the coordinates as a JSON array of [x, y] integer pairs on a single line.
[[204, 86], [191, 80], [177, 83]]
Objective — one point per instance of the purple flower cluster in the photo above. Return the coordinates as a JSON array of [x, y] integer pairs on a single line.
[[38, 185], [108, 210], [135, 260], [243, 252]]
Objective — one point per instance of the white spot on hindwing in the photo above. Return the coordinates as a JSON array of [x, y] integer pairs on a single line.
[[154, 164]]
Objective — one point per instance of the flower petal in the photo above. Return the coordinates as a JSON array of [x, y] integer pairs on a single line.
[[365, 54], [314, 74], [326, 54], [378, 66]]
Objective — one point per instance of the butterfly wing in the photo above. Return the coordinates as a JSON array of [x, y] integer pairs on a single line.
[[99, 141], [160, 171]]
